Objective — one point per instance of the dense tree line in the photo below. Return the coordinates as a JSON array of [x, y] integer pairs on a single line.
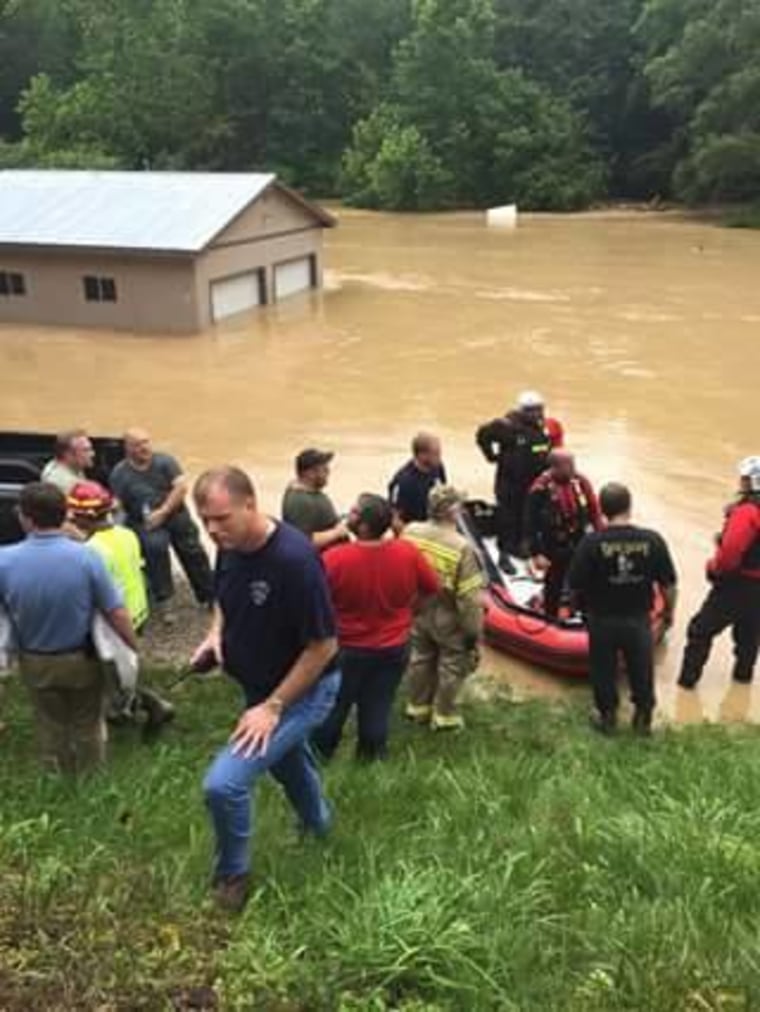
[[396, 103]]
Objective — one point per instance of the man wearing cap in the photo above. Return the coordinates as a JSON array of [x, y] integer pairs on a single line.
[[307, 506], [562, 508], [91, 512], [519, 444], [446, 631], [409, 487], [734, 598]]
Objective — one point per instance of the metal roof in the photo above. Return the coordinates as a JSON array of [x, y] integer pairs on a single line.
[[168, 211]]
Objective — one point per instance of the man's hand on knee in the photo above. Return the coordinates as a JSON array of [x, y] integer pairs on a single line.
[[254, 730]]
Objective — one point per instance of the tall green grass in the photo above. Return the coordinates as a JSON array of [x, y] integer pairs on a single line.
[[522, 865]]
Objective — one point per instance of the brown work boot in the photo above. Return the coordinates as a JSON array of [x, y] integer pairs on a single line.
[[231, 892]]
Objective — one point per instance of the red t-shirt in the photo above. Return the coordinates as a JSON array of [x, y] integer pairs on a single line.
[[374, 587]]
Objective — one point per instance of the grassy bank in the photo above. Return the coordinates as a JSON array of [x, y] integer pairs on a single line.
[[523, 865]]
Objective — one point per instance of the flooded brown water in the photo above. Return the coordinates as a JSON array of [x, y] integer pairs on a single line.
[[642, 331]]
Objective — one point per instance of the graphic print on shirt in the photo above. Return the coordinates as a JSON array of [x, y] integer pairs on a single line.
[[626, 559], [260, 591]]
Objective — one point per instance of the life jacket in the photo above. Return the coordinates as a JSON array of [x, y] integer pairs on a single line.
[[751, 558], [567, 517]]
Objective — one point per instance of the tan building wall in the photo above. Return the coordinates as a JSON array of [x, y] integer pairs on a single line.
[[273, 230], [153, 293], [158, 293]]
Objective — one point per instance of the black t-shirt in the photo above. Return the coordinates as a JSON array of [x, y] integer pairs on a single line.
[[409, 489], [142, 491], [274, 602], [614, 571]]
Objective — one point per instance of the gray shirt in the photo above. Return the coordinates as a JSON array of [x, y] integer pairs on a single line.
[[142, 491]]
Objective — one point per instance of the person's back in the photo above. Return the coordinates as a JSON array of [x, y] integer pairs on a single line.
[[375, 586], [48, 584], [119, 547], [451, 556], [447, 627], [616, 570], [52, 588], [614, 574]]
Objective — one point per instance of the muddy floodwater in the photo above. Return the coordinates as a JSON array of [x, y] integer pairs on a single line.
[[642, 331]]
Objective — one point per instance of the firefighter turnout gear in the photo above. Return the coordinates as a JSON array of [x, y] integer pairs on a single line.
[[446, 631]]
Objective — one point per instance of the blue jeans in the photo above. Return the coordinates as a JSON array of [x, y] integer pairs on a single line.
[[288, 758], [370, 681]]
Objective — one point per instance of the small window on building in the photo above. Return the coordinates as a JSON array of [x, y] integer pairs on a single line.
[[12, 283], [99, 289]]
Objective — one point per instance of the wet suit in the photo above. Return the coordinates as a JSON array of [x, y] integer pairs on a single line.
[[558, 515], [734, 598], [520, 451]]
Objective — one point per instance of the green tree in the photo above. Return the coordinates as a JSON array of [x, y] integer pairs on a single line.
[[391, 166], [476, 135], [703, 66]]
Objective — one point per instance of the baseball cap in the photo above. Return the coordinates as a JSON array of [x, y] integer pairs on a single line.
[[307, 459]]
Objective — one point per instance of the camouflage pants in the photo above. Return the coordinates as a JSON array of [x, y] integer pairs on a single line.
[[68, 693], [440, 662]]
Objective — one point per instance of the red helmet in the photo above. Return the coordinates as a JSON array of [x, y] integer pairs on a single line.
[[89, 499]]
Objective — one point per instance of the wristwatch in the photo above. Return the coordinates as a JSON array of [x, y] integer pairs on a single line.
[[275, 703]]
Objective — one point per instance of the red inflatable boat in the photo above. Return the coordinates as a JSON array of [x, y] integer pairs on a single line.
[[514, 621]]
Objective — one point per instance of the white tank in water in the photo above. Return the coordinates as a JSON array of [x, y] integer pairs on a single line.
[[502, 217]]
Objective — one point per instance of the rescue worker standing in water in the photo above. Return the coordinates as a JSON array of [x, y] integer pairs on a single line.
[[446, 631], [519, 444], [734, 598], [562, 507]]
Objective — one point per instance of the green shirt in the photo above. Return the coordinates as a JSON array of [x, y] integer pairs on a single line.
[[311, 512]]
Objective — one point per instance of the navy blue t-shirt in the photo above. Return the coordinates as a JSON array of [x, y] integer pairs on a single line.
[[275, 601], [409, 489]]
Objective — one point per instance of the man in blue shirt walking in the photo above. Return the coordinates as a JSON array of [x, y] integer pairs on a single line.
[[51, 588], [273, 632]]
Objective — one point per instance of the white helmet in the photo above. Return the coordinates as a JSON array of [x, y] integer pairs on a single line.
[[750, 469], [529, 399]]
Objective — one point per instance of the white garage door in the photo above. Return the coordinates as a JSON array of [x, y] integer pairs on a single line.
[[292, 277], [235, 295]]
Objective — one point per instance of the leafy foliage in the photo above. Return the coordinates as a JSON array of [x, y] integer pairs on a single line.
[[551, 103]]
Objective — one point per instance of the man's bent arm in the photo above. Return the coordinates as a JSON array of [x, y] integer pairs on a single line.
[[119, 620], [305, 672], [333, 536], [176, 498]]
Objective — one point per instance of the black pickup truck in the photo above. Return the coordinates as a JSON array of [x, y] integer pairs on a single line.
[[22, 457]]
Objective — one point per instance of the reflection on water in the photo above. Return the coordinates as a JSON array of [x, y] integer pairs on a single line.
[[642, 331]]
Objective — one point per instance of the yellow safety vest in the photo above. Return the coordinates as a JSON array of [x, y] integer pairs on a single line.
[[120, 550]]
